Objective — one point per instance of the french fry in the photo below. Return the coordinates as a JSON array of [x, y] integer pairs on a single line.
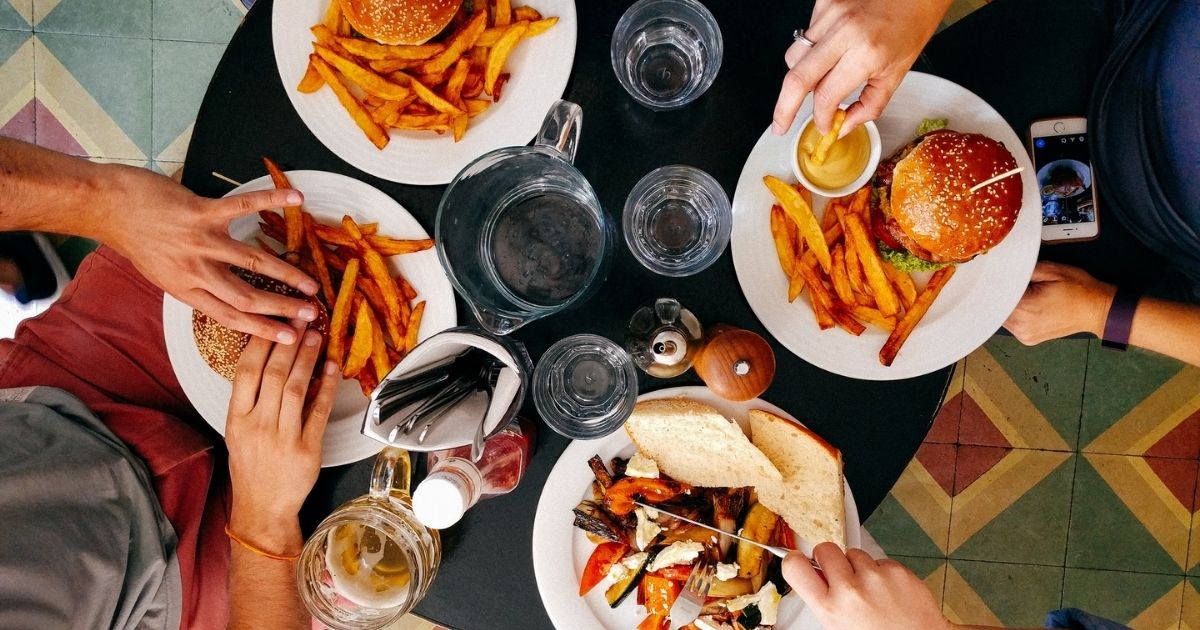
[[434, 79], [913, 316], [369, 50], [881, 287], [414, 327], [367, 382], [393, 325], [784, 249], [458, 78], [859, 204], [379, 358], [422, 121], [503, 13], [292, 215], [333, 15], [527, 13], [424, 93], [360, 343], [365, 78], [339, 321], [858, 279], [312, 81], [499, 54], [388, 66], [501, 81], [476, 107], [794, 205], [537, 25], [317, 252], [326, 36], [841, 281], [361, 116], [376, 267], [822, 302], [873, 316], [831, 214], [386, 112], [903, 283], [460, 42], [821, 151], [810, 259], [459, 126]]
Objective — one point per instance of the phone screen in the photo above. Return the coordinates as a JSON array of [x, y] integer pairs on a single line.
[[1064, 177]]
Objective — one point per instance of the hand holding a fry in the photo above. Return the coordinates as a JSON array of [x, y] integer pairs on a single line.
[[1061, 300], [180, 242], [857, 41]]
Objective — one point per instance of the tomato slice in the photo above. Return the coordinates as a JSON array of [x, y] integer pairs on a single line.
[[653, 622], [602, 559], [677, 572], [660, 593]]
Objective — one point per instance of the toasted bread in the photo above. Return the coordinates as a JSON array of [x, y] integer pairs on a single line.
[[693, 443], [810, 498]]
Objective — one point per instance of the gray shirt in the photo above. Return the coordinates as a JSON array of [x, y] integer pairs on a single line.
[[83, 541]]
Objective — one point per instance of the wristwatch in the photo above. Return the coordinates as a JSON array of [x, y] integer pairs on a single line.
[[1120, 318]]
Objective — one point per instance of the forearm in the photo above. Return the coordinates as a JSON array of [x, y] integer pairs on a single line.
[[262, 591], [46, 191], [1169, 328]]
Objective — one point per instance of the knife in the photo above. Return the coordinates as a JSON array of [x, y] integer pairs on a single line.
[[778, 552]]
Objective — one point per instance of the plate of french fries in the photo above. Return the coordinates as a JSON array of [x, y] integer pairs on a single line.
[[418, 114], [812, 272], [380, 282]]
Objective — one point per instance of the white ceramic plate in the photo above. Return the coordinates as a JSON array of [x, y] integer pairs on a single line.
[[327, 196], [969, 309], [540, 67], [560, 550]]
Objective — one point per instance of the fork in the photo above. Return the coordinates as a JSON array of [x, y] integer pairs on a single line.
[[687, 606]]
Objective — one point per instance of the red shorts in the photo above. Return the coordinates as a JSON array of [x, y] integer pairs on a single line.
[[102, 341]]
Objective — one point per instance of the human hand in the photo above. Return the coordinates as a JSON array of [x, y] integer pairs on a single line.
[[857, 41], [180, 242], [859, 592], [1061, 300], [274, 441]]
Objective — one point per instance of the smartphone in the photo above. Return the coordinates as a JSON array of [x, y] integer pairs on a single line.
[[1065, 179]]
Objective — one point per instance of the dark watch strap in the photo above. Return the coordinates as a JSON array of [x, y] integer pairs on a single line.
[[1120, 318]]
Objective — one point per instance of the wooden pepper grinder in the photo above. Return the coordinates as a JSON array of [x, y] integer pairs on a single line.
[[735, 363]]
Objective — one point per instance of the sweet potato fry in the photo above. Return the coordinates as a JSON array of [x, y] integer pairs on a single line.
[[414, 327], [379, 358], [369, 50], [375, 266], [339, 321], [316, 251], [784, 249], [903, 283], [499, 54], [365, 78], [841, 281], [794, 205], [913, 316], [503, 13], [361, 116], [459, 42], [312, 81], [873, 316], [360, 343], [292, 215], [395, 247], [881, 287], [526, 13]]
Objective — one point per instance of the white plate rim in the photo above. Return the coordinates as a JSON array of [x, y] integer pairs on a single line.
[[995, 281], [209, 393], [556, 573], [540, 66]]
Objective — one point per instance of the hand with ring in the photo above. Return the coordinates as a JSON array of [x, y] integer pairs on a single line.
[[849, 43]]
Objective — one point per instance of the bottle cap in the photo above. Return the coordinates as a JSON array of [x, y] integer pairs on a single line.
[[439, 501]]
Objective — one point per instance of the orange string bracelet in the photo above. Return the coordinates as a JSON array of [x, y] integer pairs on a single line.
[[266, 554]]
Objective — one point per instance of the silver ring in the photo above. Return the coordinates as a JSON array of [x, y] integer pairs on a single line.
[[798, 35]]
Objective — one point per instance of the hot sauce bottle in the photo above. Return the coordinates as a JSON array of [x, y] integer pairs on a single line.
[[455, 483]]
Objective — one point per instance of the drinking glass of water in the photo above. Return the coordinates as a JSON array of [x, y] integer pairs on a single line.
[[585, 387], [677, 220], [666, 52]]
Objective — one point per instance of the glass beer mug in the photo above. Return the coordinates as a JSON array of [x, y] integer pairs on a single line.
[[521, 231], [370, 561]]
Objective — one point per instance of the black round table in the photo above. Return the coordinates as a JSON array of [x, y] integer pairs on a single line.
[[486, 579]]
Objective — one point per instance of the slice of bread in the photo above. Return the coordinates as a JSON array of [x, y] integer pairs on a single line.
[[811, 498], [693, 443]]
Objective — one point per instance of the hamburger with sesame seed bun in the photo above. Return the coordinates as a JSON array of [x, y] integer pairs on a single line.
[[399, 21], [221, 347], [923, 211]]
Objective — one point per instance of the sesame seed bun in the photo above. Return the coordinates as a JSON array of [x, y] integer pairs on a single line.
[[399, 21], [932, 211], [221, 347]]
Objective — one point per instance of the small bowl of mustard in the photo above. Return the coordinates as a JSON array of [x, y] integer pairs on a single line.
[[849, 163]]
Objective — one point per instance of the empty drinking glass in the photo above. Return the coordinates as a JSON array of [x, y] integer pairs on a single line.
[[666, 52], [677, 220], [585, 387]]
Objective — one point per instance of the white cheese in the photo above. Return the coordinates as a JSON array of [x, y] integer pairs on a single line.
[[767, 600], [646, 530], [651, 513], [737, 603], [641, 466], [682, 552], [727, 571], [709, 623], [618, 571], [635, 561]]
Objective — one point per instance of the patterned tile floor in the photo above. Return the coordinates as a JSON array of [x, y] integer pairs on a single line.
[[1061, 475]]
